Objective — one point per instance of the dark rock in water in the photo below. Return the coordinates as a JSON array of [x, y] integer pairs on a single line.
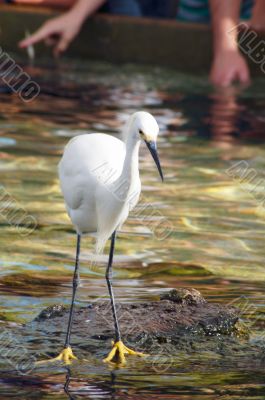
[[181, 324], [184, 296], [51, 312], [180, 311]]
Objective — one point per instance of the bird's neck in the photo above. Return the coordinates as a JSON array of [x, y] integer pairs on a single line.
[[130, 170]]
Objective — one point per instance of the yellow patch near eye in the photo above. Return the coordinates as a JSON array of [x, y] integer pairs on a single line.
[[148, 138]]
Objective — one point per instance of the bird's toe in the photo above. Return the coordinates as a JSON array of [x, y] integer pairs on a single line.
[[118, 352], [66, 356]]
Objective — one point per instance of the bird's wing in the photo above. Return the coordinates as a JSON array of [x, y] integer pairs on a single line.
[[87, 161]]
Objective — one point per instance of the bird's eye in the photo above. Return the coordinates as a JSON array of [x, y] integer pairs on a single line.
[[141, 132]]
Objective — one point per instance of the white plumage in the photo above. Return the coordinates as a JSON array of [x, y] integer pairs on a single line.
[[99, 176]]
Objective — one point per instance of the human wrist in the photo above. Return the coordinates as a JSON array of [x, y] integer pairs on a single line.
[[76, 15], [225, 39], [225, 49], [84, 9]]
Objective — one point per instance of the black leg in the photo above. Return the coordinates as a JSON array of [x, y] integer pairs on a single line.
[[109, 283], [75, 285]]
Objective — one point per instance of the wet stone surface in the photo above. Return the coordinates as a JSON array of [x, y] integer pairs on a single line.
[[178, 312], [181, 322]]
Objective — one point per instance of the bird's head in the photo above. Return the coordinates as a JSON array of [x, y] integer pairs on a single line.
[[146, 129]]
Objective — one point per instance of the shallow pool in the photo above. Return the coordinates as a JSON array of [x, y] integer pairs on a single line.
[[203, 228]]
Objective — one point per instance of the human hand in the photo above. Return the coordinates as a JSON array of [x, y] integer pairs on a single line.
[[58, 32], [229, 66]]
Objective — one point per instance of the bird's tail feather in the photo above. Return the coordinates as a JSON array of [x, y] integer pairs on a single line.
[[100, 244]]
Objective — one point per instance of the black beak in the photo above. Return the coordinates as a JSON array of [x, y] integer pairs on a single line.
[[153, 150]]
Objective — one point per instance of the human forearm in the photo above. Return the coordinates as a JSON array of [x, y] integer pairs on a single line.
[[228, 64], [62, 4], [65, 27], [225, 18], [83, 9]]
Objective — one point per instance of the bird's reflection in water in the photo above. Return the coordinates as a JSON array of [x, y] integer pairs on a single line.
[[112, 385], [67, 383], [106, 393]]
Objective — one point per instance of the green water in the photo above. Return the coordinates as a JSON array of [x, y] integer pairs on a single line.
[[210, 235]]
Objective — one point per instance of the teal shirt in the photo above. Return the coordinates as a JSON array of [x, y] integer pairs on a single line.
[[199, 10]]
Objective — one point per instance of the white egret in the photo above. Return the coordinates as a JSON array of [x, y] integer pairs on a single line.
[[99, 177]]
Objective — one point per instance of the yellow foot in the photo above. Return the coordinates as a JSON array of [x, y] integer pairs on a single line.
[[117, 354], [65, 356]]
